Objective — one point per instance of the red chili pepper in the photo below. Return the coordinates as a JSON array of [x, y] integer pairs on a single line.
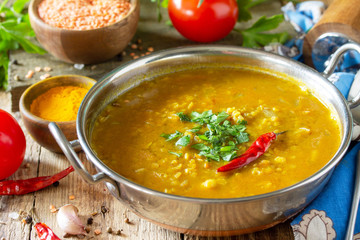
[[256, 149], [44, 232], [19, 187]]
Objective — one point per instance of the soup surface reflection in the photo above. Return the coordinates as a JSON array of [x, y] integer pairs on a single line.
[[149, 135]]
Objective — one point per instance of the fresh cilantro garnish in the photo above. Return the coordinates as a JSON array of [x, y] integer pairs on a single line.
[[255, 36], [176, 154], [15, 31], [195, 129], [219, 137], [184, 141], [172, 136], [183, 117]]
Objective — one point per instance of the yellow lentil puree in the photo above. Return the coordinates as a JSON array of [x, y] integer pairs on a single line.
[[126, 135]]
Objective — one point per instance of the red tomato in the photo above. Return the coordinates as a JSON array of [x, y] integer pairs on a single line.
[[12, 145], [212, 21]]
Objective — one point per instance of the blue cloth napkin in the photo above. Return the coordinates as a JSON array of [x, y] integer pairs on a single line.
[[327, 216]]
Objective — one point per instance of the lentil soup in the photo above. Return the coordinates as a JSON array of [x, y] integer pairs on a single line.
[[140, 134]]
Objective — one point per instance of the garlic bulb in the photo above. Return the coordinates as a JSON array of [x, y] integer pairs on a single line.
[[69, 221]]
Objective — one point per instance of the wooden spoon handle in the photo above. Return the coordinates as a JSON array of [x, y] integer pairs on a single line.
[[342, 16]]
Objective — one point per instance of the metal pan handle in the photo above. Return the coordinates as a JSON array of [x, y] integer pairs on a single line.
[[71, 155], [334, 60]]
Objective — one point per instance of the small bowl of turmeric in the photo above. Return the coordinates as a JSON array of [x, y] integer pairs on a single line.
[[56, 99]]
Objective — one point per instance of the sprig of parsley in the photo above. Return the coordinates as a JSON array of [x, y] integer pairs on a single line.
[[15, 31], [244, 7], [219, 137], [255, 36]]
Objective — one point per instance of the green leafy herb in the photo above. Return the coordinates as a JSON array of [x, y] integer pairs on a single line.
[[201, 147], [176, 154], [184, 141], [183, 117], [15, 32], [219, 137], [244, 9], [255, 36], [172, 136], [195, 129]]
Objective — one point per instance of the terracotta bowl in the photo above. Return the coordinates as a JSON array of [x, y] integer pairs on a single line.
[[85, 46], [38, 127]]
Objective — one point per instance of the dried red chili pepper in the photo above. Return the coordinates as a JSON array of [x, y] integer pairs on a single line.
[[19, 187], [256, 149], [44, 232]]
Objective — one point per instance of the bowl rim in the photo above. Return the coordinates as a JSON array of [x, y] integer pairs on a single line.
[[169, 53], [34, 14], [24, 110]]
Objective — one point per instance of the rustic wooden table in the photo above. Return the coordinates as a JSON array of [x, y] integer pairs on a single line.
[[90, 198]]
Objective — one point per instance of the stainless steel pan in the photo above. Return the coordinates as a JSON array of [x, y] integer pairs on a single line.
[[195, 215]]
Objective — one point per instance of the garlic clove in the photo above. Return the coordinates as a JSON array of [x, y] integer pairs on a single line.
[[69, 221]]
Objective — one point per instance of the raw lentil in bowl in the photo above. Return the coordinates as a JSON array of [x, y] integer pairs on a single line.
[[82, 14]]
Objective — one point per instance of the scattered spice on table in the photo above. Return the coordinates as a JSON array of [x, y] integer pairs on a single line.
[[23, 186], [53, 209], [29, 74], [28, 219], [90, 221], [59, 103], [87, 229], [83, 14], [104, 209], [45, 76]]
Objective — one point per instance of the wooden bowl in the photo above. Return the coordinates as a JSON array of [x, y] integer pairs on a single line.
[[85, 46], [38, 127]]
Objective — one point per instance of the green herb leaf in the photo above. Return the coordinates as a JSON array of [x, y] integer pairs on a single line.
[[242, 137], [15, 32], [244, 13], [184, 141], [221, 117], [255, 36], [244, 8], [183, 117], [203, 137], [201, 147], [227, 156], [176, 154], [210, 156], [195, 129], [172, 136], [19, 5]]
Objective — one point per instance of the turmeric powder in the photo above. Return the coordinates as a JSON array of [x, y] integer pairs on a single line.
[[59, 103]]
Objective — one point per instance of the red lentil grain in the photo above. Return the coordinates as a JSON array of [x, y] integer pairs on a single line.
[[30, 74], [83, 14], [47, 69]]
